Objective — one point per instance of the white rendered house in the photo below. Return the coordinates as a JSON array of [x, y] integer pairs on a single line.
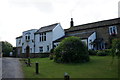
[[45, 36], [34, 42]]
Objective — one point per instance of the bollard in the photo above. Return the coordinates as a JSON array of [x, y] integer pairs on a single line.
[[66, 76], [37, 67], [29, 62]]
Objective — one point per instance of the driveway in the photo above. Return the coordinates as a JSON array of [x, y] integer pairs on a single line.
[[11, 68]]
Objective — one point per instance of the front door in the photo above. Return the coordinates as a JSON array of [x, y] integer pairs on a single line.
[[27, 51]]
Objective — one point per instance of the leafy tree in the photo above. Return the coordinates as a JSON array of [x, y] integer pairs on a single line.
[[116, 47], [71, 50], [6, 48]]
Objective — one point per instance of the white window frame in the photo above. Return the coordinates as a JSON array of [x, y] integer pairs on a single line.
[[41, 49], [111, 30]]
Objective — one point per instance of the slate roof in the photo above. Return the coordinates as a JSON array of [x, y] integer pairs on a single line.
[[46, 28], [94, 25], [82, 35]]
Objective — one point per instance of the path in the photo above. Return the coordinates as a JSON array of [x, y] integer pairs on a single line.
[[11, 68]]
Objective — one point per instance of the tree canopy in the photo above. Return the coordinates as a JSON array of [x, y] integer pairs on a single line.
[[6, 48]]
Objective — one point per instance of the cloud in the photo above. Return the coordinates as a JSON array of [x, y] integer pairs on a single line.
[[42, 5]]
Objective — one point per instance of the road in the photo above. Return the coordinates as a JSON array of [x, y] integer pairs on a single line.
[[11, 68]]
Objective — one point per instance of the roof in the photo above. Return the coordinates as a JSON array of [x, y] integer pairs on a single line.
[[94, 25], [83, 35], [46, 28], [19, 37]]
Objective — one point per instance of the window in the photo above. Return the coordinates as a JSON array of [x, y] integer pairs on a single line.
[[42, 37], [112, 30], [40, 49], [47, 47], [28, 37], [19, 41]]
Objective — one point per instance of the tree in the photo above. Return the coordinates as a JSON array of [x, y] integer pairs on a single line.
[[116, 47], [71, 50], [6, 48]]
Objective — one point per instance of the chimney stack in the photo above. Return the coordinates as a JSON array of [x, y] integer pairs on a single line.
[[71, 23]]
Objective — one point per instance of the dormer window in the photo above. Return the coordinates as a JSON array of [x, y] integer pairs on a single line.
[[112, 30]]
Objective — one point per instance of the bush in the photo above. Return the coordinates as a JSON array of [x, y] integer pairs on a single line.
[[92, 52], [71, 50], [115, 47], [105, 52]]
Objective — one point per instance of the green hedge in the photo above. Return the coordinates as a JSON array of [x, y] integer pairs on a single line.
[[105, 52]]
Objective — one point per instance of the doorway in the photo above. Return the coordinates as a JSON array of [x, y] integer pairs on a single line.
[[27, 51]]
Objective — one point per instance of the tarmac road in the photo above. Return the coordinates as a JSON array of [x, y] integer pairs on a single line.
[[11, 68]]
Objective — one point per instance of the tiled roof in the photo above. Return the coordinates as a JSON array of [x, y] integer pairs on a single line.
[[47, 28], [94, 25]]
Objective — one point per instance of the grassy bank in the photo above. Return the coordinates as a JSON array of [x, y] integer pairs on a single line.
[[98, 67]]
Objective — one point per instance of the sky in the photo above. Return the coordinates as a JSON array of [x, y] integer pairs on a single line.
[[17, 16]]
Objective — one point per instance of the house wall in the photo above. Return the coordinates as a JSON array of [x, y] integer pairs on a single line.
[[58, 32], [91, 38], [101, 32], [43, 44], [31, 41], [19, 42]]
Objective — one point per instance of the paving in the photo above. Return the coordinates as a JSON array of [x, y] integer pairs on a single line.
[[11, 68]]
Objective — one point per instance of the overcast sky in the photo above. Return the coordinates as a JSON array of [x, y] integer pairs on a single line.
[[17, 16]]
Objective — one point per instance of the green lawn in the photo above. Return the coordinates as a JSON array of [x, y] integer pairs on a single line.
[[98, 67]]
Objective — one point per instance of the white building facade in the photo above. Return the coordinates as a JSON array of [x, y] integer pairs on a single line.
[[34, 42]]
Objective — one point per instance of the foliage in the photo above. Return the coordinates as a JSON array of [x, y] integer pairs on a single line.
[[6, 48], [92, 52], [105, 52], [70, 50], [115, 47], [102, 53], [51, 56]]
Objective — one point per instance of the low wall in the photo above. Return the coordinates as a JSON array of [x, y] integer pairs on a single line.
[[34, 55]]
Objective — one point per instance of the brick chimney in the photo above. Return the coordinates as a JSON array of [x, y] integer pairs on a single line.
[[71, 23]]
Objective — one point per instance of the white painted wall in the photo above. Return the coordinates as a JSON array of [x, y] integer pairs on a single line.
[[91, 38], [30, 43], [43, 44], [17, 42], [58, 32]]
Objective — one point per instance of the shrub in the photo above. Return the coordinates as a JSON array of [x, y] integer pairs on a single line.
[[92, 52], [105, 52], [71, 50], [115, 47], [51, 56]]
